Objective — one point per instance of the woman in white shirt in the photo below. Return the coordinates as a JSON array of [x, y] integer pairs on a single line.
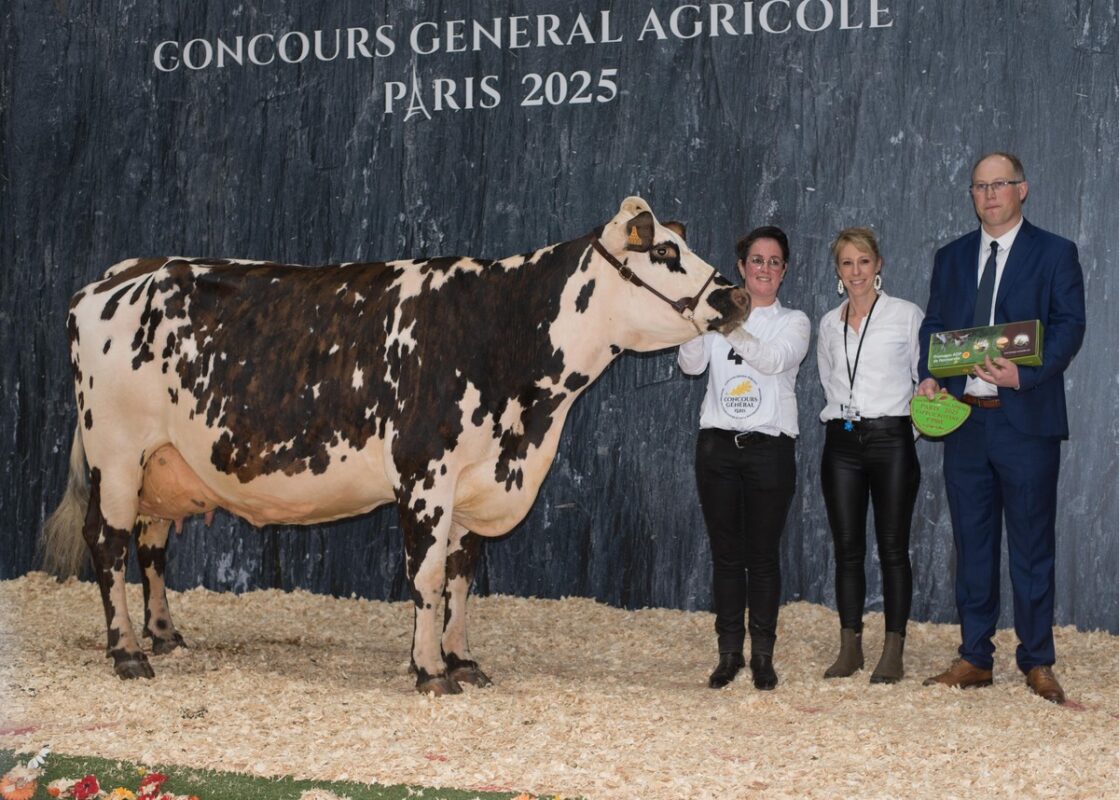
[[867, 353], [746, 457]]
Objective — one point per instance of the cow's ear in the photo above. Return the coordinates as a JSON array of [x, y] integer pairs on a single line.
[[678, 228], [639, 232]]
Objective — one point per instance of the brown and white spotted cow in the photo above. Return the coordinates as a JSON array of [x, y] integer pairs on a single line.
[[287, 394]]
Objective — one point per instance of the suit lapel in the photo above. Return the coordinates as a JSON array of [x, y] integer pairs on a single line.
[[968, 276], [1016, 264]]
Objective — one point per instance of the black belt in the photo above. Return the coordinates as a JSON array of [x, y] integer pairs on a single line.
[[872, 424], [744, 439], [981, 402]]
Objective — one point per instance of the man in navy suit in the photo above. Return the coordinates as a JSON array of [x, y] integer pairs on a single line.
[[1005, 458]]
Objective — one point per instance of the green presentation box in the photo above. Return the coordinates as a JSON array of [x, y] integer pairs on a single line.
[[956, 352]]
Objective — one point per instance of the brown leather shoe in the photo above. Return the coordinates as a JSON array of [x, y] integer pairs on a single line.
[[1043, 682], [961, 675]]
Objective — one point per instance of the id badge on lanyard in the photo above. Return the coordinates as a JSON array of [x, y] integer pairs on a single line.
[[849, 411]]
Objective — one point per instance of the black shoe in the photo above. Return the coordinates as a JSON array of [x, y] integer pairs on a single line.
[[764, 676], [729, 665]]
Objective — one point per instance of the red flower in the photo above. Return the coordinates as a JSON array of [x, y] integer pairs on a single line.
[[86, 788], [150, 785]]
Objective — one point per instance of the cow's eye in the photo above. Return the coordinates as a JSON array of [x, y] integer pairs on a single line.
[[661, 252]]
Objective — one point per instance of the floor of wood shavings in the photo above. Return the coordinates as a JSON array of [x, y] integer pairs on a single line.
[[589, 700]]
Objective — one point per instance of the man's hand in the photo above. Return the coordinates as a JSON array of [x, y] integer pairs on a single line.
[[1000, 372], [929, 388]]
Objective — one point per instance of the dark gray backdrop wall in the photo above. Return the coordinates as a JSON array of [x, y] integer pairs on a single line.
[[113, 146]]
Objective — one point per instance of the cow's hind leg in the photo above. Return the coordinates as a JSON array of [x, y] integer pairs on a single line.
[[462, 556], [107, 529], [151, 552], [426, 526]]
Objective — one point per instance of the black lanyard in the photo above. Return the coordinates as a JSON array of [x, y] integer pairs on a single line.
[[866, 323]]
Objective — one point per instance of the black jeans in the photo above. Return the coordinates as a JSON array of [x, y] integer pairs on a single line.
[[745, 492], [876, 461]]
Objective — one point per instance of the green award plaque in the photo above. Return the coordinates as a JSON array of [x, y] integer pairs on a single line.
[[938, 417]]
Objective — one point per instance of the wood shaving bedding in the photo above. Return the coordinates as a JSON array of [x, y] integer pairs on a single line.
[[589, 700]]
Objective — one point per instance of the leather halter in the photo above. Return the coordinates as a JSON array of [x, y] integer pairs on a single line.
[[684, 306]]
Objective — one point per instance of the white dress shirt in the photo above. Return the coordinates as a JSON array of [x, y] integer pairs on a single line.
[[977, 386], [753, 387], [887, 368]]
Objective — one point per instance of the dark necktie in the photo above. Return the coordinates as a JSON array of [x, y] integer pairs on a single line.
[[986, 293]]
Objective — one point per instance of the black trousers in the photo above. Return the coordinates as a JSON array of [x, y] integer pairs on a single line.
[[876, 461], [745, 490]]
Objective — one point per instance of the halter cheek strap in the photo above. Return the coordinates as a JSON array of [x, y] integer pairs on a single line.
[[684, 306]]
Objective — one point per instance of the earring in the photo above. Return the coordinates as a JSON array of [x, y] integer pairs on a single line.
[[878, 282], [839, 289]]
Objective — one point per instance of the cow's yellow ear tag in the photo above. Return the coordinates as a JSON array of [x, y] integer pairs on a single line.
[[634, 236]]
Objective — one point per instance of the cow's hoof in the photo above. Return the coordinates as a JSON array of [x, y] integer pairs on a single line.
[[469, 672], [132, 665], [438, 686], [161, 647]]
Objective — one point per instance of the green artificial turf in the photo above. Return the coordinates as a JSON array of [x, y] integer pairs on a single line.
[[210, 785]]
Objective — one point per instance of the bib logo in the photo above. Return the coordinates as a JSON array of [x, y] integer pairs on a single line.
[[740, 397]]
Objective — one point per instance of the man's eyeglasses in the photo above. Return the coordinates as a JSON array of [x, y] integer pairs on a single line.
[[758, 262], [994, 186]]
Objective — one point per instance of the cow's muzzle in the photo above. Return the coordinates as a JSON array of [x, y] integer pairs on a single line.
[[733, 305]]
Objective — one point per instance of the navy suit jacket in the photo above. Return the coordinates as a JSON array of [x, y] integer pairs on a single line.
[[1042, 280]]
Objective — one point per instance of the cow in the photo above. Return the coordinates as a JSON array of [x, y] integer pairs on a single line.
[[290, 394]]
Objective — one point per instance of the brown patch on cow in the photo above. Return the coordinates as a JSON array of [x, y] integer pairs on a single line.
[[88, 418], [461, 563], [142, 267], [576, 381], [584, 298]]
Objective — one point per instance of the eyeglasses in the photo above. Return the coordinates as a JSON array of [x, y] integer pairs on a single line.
[[758, 262], [994, 186]]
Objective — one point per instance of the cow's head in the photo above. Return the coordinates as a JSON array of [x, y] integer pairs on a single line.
[[676, 293]]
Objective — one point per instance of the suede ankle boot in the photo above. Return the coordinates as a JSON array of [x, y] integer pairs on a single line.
[[889, 669], [850, 659]]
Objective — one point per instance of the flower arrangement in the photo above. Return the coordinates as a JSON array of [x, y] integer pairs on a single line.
[[21, 782], [88, 788]]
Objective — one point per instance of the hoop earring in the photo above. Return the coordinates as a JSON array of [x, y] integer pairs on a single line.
[[839, 289], [878, 282]]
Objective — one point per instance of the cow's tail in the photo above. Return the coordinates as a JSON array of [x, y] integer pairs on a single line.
[[61, 546]]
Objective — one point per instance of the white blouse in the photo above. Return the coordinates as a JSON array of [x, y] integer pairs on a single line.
[[887, 369], [753, 387]]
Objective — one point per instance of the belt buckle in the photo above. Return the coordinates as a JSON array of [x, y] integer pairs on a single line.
[[741, 438]]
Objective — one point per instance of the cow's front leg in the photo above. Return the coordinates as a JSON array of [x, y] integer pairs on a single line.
[[108, 544], [462, 556], [151, 552], [426, 527]]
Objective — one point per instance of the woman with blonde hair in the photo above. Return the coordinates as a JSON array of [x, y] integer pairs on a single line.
[[867, 352]]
